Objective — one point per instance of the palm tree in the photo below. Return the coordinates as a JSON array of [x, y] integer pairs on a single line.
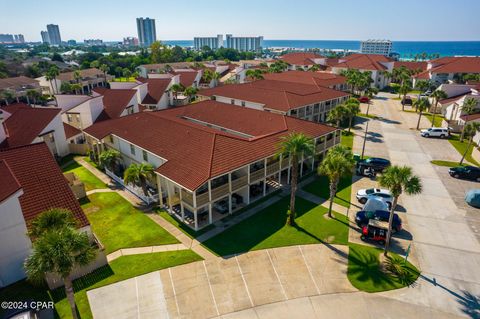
[[51, 76], [57, 249], [404, 89], [7, 96], [470, 129], [126, 74], [468, 107], [256, 74], [32, 95], [437, 95], [191, 91], [352, 108], [176, 88], [94, 64], [207, 76], [337, 114], [108, 159], [294, 146], [338, 163], [398, 180], [314, 68], [370, 93], [215, 77], [422, 86], [138, 174], [77, 76], [421, 105], [104, 69], [74, 87]]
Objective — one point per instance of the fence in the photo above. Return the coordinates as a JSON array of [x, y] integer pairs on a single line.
[[133, 189], [80, 149]]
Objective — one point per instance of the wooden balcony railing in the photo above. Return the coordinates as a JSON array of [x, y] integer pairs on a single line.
[[219, 191], [273, 168], [330, 143], [202, 199], [187, 197], [239, 182], [257, 175], [285, 163], [320, 147]]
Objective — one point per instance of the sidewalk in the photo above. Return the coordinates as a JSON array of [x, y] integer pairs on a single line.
[[144, 250]]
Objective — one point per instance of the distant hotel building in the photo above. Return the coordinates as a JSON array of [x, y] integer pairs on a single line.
[[130, 41], [237, 43], [91, 42], [45, 37], [211, 42], [383, 47], [12, 38], [54, 34], [244, 43], [147, 33]]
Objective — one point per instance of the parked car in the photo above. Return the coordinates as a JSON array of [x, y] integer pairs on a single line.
[[363, 99], [363, 194], [377, 203], [362, 218], [465, 172], [441, 132], [407, 101], [375, 231], [373, 163], [472, 197]]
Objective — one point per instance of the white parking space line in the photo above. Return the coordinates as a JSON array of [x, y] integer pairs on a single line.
[[211, 290], [309, 270], [136, 294], [278, 277], [174, 292], [244, 281]]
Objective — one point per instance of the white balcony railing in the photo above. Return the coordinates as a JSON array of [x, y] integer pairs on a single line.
[[135, 190]]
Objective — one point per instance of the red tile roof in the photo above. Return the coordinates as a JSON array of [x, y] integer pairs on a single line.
[[156, 88], [17, 82], [453, 98], [471, 117], [187, 77], [301, 58], [363, 62], [278, 95], [425, 75], [115, 102], [44, 186], [9, 184], [26, 123], [70, 131], [410, 65], [196, 152], [456, 65], [313, 78]]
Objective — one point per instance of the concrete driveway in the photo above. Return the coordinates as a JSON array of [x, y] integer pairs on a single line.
[[215, 287], [447, 250]]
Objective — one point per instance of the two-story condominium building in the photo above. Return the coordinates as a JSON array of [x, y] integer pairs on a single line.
[[21, 124], [89, 79], [19, 86], [31, 183], [447, 69], [159, 70], [303, 60], [210, 158], [375, 63], [304, 101], [325, 79]]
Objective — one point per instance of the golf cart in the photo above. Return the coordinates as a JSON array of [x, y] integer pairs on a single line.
[[376, 231]]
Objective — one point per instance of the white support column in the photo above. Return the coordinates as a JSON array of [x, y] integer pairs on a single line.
[[181, 204], [196, 219], [230, 204], [169, 198], [194, 196], [313, 163], [159, 187], [210, 213]]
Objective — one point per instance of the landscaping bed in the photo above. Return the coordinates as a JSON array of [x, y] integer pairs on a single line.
[[89, 180]]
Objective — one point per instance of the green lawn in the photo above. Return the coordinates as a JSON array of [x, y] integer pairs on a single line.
[[89, 180], [347, 139], [461, 147], [370, 116], [119, 225], [364, 272], [267, 229], [438, 119], [445, 163], [320, 187]]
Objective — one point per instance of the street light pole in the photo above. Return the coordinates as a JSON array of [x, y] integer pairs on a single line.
[[365, 138]]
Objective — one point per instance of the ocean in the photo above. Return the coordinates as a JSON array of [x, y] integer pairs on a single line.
[[406, 49]]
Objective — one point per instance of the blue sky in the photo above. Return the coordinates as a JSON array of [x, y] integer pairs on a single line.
[[274, 19]]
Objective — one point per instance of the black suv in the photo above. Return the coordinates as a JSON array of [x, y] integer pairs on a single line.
[[374, 163], [465, 172], [363, 217]]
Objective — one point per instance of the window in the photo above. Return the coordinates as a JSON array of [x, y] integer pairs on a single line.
[[111, 139], [316, 108], [52, 138], [243, 103], [232, 101], [132, 149], [213, 98], [69, 117], [145, 155]]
